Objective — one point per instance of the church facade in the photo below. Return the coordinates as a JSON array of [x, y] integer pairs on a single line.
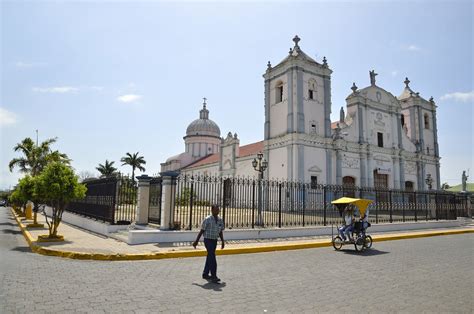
[[379, 140]]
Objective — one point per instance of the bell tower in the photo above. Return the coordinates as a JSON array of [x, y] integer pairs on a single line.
[[297, 102]]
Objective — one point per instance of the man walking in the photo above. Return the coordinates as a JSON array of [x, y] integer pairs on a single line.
[[212, 227]]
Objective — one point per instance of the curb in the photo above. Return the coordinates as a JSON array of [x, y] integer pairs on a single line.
[[243, 250]]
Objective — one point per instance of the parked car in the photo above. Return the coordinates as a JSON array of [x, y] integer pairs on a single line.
[[3, 203]]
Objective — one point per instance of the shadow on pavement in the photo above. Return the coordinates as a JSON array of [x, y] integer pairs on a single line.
[[369, 252], [8, 224], [22, 249], [211, 286], [11, 231], [48, 244]]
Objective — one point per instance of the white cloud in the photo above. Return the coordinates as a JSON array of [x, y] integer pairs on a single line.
[[57, 89], [7, 117], [129, 98], [21, 64], [459, 96], [412, 48]]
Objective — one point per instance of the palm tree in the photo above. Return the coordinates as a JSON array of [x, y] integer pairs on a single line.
[[107, 169], [135, 161], [36, 157]]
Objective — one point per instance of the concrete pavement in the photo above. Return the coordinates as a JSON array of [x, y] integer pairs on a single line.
[[81, 244], [423, 275]]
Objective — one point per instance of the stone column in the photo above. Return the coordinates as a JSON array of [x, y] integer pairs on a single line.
[[370, 170], [396, 172], [338, 167], [363, 170], [143, 199], [402, 173], [167, 200]]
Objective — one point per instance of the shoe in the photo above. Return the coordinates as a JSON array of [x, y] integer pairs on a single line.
[[207, 277], [215, 279]]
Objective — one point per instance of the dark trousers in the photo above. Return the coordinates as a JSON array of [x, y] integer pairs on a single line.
[[211, 263]]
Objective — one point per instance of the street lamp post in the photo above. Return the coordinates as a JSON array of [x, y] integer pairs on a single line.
[[260, 165]]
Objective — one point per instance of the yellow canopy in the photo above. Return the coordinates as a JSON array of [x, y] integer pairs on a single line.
[[361, 203]]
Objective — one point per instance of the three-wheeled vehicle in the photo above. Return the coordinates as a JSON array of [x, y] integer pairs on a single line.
[[361, 240]]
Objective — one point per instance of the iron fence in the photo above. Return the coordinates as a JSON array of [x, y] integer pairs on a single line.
[[112, 199], [250, 203]]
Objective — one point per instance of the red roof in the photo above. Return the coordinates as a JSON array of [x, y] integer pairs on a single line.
[[247, 150]]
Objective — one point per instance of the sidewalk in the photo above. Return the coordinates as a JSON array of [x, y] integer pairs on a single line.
[[82, 244]]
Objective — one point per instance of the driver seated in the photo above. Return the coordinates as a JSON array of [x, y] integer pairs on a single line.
[[365, 220]]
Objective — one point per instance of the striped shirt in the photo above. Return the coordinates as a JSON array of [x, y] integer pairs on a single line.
[[211, 227]]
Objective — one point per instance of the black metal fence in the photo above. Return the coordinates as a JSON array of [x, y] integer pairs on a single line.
[[250, 203], [112, 199]]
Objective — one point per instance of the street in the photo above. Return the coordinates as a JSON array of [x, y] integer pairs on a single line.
[[434, 274]]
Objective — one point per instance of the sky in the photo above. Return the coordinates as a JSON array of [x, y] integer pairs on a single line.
[[112, 77]]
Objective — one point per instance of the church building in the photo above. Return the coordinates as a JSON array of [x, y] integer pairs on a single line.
[[379, 140]]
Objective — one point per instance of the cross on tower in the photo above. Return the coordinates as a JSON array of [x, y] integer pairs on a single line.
[[204, 103], [296, 39]]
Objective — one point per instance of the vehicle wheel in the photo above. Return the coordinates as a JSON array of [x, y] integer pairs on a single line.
[[368, 241], [359, 244], [337, 243]]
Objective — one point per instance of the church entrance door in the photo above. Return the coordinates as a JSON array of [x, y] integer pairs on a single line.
[[381, 184]]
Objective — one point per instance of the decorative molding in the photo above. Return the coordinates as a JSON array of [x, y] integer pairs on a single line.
[[314, 169], [349, 162], [410, 167]]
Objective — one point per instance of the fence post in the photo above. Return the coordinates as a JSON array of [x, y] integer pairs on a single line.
[[324, 204], [253, 204], [141, 216], [303, 201], [436, 205], [391, 209], [279, 205], [167, 200], [191, 201], [224, 197]]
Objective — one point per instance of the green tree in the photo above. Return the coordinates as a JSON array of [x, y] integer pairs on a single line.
[[15, 200], [445, 186], [57, 185], [35, 158], [135, 162], [107, 169]]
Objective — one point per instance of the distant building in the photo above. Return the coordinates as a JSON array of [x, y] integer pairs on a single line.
[[380, 140]]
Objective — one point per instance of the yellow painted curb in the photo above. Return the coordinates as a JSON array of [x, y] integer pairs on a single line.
[[242, 250]]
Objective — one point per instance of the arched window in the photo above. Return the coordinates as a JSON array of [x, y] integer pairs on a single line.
[[348, 185], [402, 119], [312, 89], [279, 92], [427, 121]]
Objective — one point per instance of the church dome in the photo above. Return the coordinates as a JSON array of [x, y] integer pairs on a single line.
[[203, 125]]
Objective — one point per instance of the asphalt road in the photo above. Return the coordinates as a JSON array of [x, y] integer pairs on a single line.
[[434, 275]]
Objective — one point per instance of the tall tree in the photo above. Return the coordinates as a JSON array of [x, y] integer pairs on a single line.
[[57, 185], [107, 169], [36, 157], [135, 162]]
